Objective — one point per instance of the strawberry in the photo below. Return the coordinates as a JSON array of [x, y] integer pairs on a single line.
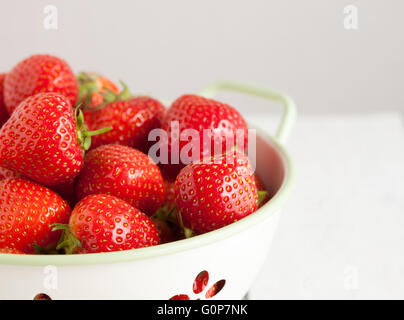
[[199, 113], [3, 111], [95, 90], [27, 211], [10, 251], [131, 121], [215, 192], [42, 140], [123, 172], [39, 73], [102, 223]]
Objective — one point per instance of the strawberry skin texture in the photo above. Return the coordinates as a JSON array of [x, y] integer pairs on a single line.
[[27, 211], [3, 111], [39, 141], [211, 195], [131, 121], [198, 113], [123, 172], [39, 73], [10, 251], [105, 223]]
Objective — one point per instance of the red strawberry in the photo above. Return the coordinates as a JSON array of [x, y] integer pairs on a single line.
[[39, 73], [199, 113], [3, 111], [40, 140], [27, 211], [131, 122], [10, 251], [216, 192], [101, 223], [123, 172], [95, 90]]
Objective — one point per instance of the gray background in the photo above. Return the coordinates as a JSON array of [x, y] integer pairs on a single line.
[[166, 48]]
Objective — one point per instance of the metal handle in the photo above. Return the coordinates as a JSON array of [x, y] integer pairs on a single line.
[[289, 108]]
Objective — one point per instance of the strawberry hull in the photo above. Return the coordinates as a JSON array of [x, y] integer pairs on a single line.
[[232, 256]]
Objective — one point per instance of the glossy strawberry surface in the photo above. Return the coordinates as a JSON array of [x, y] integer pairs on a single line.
[[125, 173], [199, 113], [3, 110], [216, 192], [27, 211], [105, 223], [39, 73], [40, 142], [131, 121]]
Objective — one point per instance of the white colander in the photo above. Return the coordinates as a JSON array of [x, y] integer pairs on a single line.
[[231, 256]]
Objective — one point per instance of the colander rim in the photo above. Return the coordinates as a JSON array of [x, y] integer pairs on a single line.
[[173, 247]]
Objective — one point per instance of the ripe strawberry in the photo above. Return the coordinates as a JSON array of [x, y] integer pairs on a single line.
[[123, 172], [131, 121], [3, 111], [216, 192], [102, 223], [199, 113], [40, 140], [95, 90], [27, 211], [10, 251], [39, 73]]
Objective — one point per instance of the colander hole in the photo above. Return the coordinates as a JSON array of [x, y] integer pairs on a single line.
[[180, 297], [201, 281], [42, 296], [215, 289]]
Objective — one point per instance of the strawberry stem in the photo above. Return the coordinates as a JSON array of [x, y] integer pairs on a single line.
[[88, 85], [262, 197], [83, 135], [68, 242], [169, 213]]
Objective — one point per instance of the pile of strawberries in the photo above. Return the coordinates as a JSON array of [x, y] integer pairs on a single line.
[[75, 175]]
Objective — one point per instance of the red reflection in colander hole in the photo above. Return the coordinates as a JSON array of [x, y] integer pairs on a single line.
[[180, 297], [215, 289], [201, 281], [42, 296]]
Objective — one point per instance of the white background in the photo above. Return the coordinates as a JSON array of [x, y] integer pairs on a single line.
[[342, 232]]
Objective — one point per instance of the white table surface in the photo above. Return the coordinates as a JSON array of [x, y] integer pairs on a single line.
[[341, 234]]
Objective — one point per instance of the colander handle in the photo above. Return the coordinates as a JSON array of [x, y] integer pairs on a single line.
[[289, 108]]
